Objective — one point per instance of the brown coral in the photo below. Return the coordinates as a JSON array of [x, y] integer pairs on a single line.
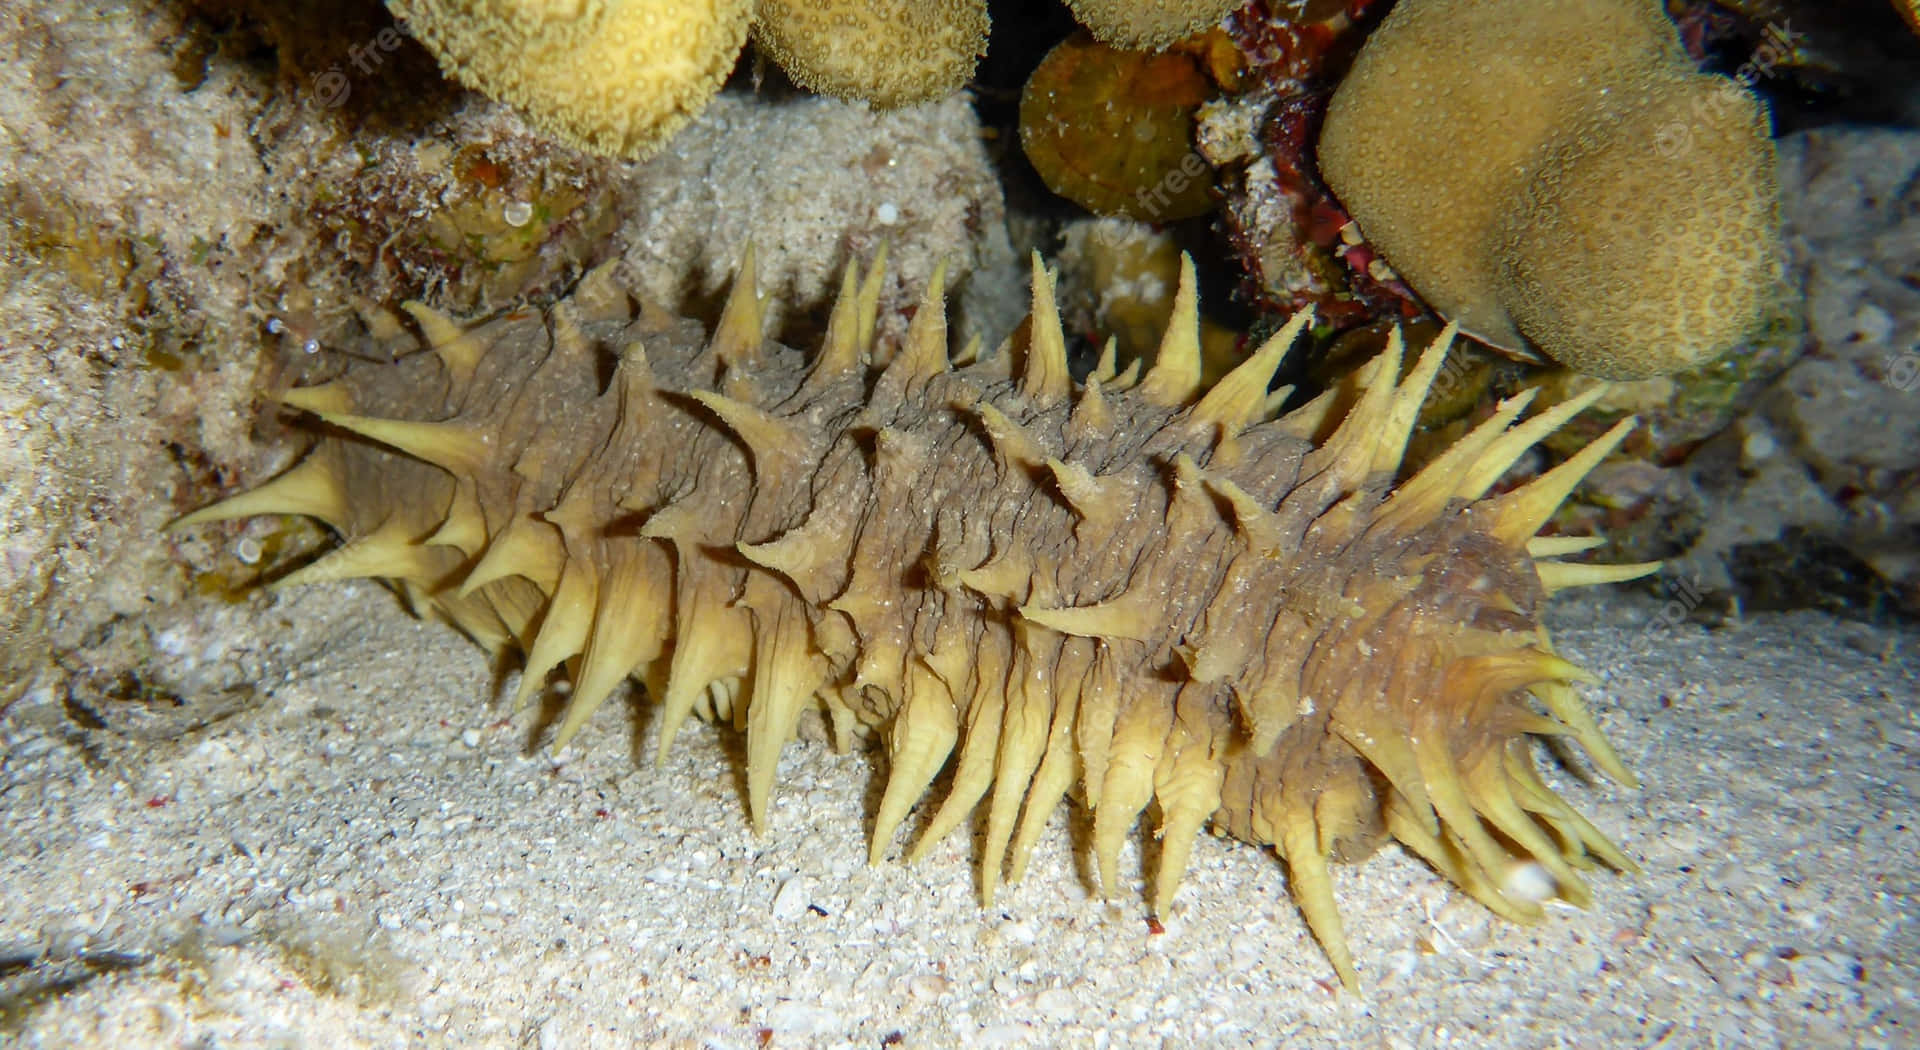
[[887, 52], [1152, 592], [1112, 130], [614, 78], [1553, 174]]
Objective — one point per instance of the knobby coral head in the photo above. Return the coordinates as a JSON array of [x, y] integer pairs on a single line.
[[1148, 25], [613, 77], [887, 52], [619, 77], [1556, 177]]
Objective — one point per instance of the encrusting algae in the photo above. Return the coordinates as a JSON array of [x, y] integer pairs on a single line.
[[1134, 589]]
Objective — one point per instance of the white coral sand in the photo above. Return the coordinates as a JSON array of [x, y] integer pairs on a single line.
[[366, 852]]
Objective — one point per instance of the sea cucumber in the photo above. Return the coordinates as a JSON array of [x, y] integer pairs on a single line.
[[1129, 588]]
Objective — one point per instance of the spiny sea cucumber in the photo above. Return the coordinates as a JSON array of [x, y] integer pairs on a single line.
[[1131, 588]]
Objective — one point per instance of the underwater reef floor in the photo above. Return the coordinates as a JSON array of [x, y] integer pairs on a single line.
[[320, 833]]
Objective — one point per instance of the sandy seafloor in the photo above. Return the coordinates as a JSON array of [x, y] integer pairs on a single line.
[[369, 853]]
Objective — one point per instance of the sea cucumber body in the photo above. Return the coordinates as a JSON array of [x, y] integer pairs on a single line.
[[1136, 591]]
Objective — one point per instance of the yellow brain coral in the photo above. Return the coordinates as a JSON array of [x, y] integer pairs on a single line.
[[1148, 24], [888, 52], [1624, 262], [612, 76], [620, 76], [1553, 173]]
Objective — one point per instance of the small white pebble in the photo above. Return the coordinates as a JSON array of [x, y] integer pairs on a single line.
[[1528, 882], [790, 900], [1873, 325], [1403, 962], [517, 213], [927, 987], [886, 214], [1001, 1035], [470, 737], [800, 1018], [1056, 1005], [1758, 446]]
